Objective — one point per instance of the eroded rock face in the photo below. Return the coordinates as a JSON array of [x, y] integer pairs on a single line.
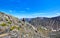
[[12, 27]]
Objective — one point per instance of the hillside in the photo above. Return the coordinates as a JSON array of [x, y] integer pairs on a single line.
[[50, 23], [47, 26], [12, 27]]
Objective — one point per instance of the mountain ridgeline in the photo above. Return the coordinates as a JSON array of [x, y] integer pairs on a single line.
[[12, 27], [50, 23]]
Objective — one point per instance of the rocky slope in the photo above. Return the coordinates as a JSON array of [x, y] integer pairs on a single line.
[[50, 23], [47, 26], [12, 27]]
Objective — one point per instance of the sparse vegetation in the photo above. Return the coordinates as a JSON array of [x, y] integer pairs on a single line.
[[3, 24], [14, 27], [9, 22]]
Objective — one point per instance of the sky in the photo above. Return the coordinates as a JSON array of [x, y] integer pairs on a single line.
[[30, 8]]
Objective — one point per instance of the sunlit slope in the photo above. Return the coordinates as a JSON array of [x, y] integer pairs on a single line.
[[12, 27]]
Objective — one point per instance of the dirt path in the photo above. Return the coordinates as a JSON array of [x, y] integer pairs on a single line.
[[6, 34]]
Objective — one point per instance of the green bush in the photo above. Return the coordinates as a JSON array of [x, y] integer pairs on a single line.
[[14, 27], [3, 24], [9, 22]]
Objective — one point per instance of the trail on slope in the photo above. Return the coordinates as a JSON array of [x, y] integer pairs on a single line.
[[5, 34]]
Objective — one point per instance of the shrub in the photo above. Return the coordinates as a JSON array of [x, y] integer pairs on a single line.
[[14, 27], [3, 24], [9, 22]]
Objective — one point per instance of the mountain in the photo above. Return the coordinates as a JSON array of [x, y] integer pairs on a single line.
[[12, 27], [47, 26], [50, 23], [40, 27], [26, 19]]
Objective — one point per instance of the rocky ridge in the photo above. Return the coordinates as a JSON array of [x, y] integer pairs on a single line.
[[12, 27]]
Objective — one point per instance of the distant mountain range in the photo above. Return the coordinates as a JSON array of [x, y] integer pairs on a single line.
[[50, 23]]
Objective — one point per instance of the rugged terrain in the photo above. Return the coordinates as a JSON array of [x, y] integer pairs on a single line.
[[50, 23], [46, 26], [12, 27]]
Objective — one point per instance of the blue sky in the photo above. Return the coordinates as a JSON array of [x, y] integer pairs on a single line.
[[31, 8]]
